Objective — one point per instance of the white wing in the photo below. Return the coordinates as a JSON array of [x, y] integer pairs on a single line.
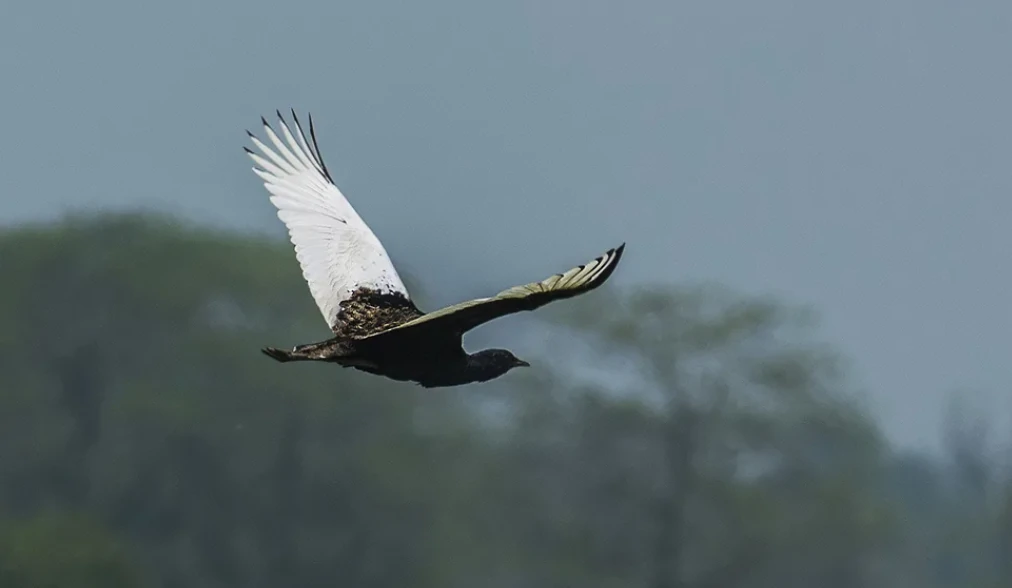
[[336, 249]]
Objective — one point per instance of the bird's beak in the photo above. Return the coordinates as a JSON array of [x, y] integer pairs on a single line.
[[522, 363]]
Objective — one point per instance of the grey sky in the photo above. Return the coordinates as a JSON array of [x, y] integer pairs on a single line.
[[854, 156]]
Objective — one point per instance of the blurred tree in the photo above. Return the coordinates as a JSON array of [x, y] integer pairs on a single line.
[[680, 438], [56, 550], [977, 548], [707, 445], [133, 387]]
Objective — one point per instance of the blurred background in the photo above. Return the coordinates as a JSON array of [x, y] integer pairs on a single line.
[[799, 375]]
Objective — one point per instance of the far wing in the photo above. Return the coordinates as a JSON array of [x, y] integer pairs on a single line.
[[337, 251], [462, 317]]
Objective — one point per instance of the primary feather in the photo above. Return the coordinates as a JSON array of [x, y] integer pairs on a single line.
[[338, 252]]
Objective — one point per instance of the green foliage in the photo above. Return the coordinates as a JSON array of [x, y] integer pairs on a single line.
[[55, 550]]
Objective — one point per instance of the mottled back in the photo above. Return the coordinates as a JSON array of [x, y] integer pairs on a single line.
[[369, 311]]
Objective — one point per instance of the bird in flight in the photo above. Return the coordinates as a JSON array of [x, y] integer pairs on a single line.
[[376, 326]]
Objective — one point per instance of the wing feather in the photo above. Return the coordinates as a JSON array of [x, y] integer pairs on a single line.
[[464, 316], [336, 249]]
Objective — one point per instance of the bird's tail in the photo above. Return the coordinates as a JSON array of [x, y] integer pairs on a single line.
[[329, 350], [282, 355]]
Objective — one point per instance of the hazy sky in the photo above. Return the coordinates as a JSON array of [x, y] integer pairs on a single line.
[[855, 156]]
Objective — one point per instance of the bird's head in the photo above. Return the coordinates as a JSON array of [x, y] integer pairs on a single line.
[[496, 362]]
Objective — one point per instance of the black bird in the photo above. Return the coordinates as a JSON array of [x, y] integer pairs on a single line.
[[377, 328]]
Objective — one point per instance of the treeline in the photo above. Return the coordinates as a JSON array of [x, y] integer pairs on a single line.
[[695, 438]]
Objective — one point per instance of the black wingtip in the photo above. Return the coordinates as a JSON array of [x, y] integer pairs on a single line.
[[247, 150], [312, 130], [316, 149], [266, 124], [298, 125], [616, 256]]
